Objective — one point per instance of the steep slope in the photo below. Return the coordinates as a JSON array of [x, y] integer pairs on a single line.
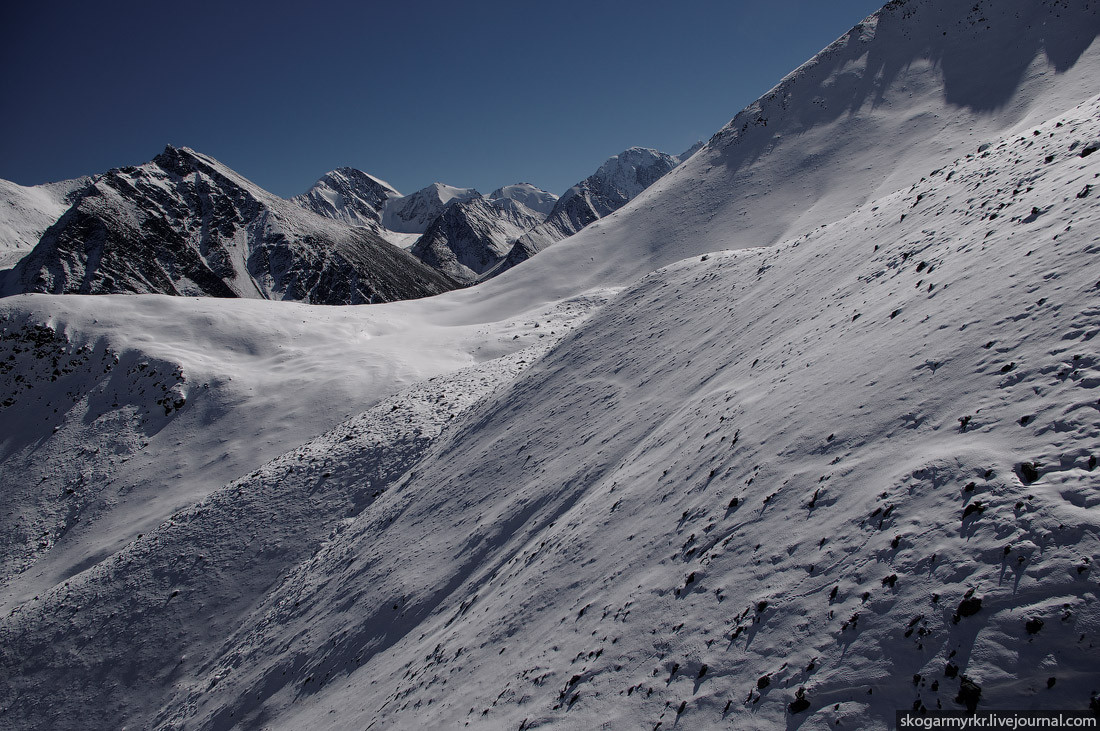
[[471, 237], [618, 180], [348, 195], [26, 213], [184, 224], [911, 88], [804, 484], [414, 213], [268, 376]]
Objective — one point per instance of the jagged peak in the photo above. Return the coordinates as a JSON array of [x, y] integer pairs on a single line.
[[357, 176]]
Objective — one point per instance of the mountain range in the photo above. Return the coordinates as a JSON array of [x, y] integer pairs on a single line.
[[184, 224], [802, 434]]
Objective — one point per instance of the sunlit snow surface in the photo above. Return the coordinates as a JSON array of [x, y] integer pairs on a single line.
[[27, 211], [684, 481], [633, 519]]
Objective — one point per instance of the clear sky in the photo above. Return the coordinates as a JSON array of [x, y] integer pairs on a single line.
[[479, 93]]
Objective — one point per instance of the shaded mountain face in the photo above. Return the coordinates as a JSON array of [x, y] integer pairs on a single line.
[[27, 211], [470, 238], [184, 224], [348, 195], [415, 212], [616, 182]]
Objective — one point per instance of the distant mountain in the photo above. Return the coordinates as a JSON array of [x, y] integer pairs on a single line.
[[348, 195], [527, 195], [612, 186], [470, 238], [475, 240], [27, 211], [184, 224], [414, 213]]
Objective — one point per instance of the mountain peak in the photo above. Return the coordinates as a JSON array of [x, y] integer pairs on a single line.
[[349, 195], [415, 212], [528, 195]]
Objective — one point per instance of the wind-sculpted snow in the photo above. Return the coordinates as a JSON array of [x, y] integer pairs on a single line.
[[195, 572], [856, 469], [184, 224]]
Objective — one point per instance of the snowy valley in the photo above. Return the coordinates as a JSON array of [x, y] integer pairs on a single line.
[[795, 431]]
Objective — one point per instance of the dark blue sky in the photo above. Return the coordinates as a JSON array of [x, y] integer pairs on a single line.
[[477, 93]]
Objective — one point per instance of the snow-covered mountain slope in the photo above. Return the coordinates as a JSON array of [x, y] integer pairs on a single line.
[[776, 487], [911, 88], [27, 211], [348, 195], [527, 195], [185, 224], [93, 483], [470, 238], [648, 524], [414, 213], [617, 181]]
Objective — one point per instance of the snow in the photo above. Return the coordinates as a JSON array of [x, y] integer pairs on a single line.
[[27, 211], [582, 543], [526, 194], [400, 240], [775, 425], [349, 195], [853, 124], [268, 377], [183, 224], [414, 213]]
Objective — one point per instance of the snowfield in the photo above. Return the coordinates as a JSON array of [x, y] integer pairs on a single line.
[[804, 434]]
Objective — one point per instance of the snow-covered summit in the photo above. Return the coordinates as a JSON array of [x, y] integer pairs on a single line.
[[528, 195], [348, 195], [415, 212], [622, 177], [830, 452]]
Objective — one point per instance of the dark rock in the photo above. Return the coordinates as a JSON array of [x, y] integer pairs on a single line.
[[969, 694]]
